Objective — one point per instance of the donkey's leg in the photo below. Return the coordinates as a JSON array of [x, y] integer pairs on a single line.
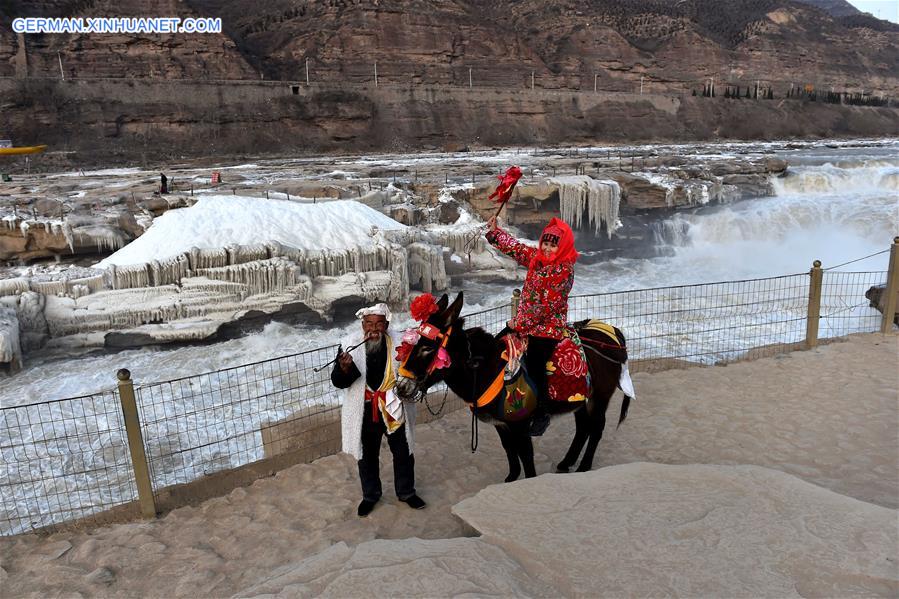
[[581, 432], [596, 424], [525, 447], [507, 438]]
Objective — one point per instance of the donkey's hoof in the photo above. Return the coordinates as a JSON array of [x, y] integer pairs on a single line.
[[560, 469], [511, 478]]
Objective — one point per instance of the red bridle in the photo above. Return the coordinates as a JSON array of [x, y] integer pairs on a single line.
[[432, 333]]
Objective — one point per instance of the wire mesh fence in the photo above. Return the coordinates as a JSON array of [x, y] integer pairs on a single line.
[[198, 425], [845, 304], [62, 460], [491, 320], [704, 324], [68, 459]]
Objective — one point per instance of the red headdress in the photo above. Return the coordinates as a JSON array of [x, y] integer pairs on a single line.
[[566, 253]]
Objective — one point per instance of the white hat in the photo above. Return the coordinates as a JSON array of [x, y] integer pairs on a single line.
[[377, 309]]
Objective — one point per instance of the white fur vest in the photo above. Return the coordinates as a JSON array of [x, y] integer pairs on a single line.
[[352, 400]]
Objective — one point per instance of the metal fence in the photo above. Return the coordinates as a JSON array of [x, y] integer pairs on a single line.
[[68, 459], [63, 460]]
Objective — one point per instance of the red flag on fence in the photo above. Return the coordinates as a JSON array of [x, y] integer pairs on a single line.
[[506, 185]]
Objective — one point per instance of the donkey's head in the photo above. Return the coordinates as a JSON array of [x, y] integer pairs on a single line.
[[430, 350]]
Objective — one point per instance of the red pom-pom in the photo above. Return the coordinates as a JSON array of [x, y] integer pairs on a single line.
[[423, 306]]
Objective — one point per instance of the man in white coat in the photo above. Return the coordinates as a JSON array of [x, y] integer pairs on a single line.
[[371, 409]]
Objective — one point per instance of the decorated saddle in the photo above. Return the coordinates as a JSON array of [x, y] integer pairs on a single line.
[[567, 374], [511, 397]]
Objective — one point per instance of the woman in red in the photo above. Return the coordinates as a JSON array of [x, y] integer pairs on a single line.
[[543, 311]]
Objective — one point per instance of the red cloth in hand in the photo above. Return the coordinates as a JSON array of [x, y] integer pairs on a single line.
[[506, 184]]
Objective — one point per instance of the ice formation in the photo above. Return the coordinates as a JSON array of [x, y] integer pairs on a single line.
[[10, 349], [221, 221], [599, 199], [692, 192], [224, 256]]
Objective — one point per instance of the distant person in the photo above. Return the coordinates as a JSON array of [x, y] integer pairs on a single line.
[[543, 310], [163, 183], [371, 409]]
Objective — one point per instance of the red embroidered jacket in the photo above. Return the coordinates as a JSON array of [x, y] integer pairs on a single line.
[[543, 311]]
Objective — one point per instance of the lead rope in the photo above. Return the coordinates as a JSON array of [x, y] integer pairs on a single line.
[[474, 430], [474, 408]]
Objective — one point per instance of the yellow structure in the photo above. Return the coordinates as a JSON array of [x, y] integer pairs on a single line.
[[22, 150]]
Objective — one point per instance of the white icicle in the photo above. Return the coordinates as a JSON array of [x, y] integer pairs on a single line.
[[599, 199]]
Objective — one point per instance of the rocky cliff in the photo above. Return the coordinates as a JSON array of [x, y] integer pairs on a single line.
[[450, 73], [147, 122], [164, 56], [671, 46]]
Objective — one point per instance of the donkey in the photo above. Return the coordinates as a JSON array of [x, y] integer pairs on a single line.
[[476, 364]]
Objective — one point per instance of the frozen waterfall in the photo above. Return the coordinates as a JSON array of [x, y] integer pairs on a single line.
[[599, 199]]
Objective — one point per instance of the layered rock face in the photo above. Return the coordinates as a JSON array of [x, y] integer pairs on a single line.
[[163, 56], [671, 46], [531, 66], [112, 121]]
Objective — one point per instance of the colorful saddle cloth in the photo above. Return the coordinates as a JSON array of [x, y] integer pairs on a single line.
[[509, 399], [566, 373]]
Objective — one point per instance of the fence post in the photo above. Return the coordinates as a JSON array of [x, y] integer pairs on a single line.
[[889, 301], [816, 277], [516, 299], [136, 444]]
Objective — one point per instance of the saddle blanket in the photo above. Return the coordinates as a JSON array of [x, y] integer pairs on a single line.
[[567, 374], [609, 342]]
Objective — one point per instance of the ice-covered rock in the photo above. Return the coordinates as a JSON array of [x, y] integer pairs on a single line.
[[223, 221], [599, 199], [10, 349], [33, 326]]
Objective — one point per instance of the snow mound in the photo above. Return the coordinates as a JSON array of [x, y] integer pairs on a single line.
[[223, 220]]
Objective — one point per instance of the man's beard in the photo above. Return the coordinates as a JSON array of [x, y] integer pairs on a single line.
[[374, 346]]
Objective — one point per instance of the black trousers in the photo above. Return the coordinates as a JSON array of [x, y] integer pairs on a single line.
[[540, 350], [370, 464]]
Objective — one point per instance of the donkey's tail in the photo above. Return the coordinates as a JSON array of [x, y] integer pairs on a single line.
[[625, 403]]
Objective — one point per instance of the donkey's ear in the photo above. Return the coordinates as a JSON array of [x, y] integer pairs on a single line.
[[456, 308], [442, 302]]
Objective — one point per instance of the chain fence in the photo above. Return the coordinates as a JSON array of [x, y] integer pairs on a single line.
[[199, 425], [63, 460], [845, 306], [706, 324], [68, 460]]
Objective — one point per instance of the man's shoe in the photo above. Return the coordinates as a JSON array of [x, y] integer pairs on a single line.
[[366, 507], [415, 502], [539, 424]]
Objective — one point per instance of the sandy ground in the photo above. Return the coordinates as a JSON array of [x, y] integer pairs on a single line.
[[828, 416]]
